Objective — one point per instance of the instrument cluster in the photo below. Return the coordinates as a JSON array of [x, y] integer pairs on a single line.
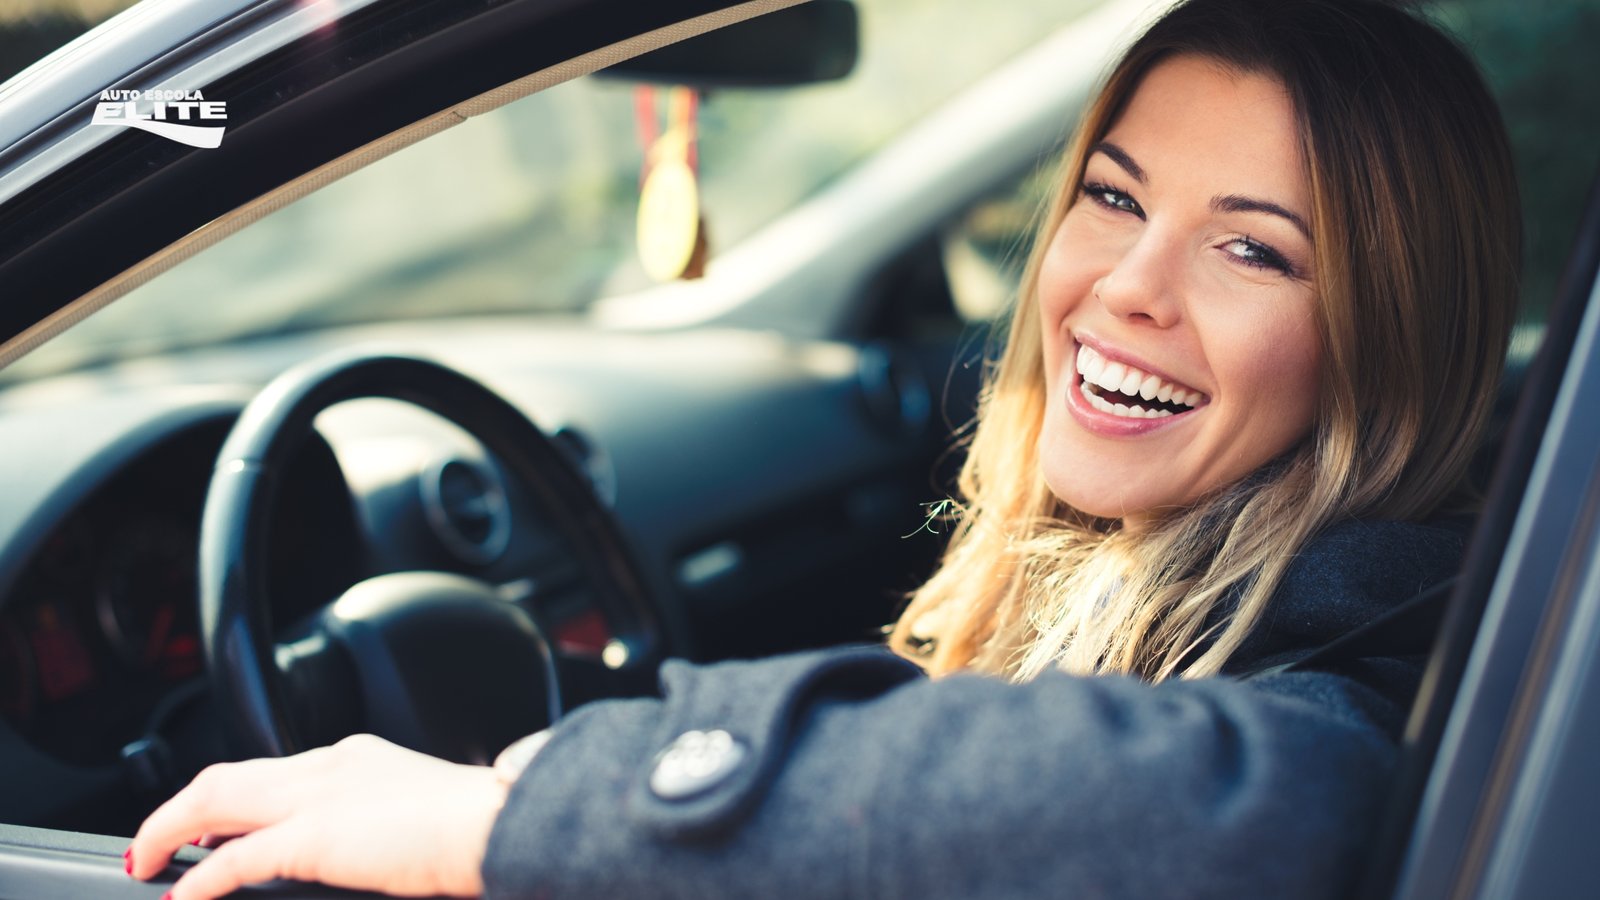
[[99, 627], [102, 624]]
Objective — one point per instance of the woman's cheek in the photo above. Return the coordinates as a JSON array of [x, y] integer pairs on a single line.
[[1052, 274], [1273, 362], [1054, 304], [1066, 275]]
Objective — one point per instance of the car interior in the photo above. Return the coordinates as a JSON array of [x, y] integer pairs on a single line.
[[447, 363]]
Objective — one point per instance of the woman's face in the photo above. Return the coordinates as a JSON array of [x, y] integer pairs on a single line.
[[1181, 348]]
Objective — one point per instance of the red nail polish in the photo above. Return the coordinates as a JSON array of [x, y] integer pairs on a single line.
[[167, 896], [127, 861]]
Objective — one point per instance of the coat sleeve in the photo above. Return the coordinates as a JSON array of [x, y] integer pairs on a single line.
[[853, 776]]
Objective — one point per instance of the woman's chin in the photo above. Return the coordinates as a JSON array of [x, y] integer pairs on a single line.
[[1085, 477], [1102, 501]]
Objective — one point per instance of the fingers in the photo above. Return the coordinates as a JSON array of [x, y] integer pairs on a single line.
[[224, 799], [259, 856], [293, 818]]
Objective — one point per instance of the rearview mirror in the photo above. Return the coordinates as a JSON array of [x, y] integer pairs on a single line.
[[805, 44]]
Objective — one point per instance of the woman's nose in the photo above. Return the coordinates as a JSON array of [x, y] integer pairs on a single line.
[[1144, 284]]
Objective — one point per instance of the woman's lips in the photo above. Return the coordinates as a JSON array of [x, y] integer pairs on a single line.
[[1158, 411]]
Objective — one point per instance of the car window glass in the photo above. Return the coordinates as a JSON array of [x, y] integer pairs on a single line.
[[531, 208]]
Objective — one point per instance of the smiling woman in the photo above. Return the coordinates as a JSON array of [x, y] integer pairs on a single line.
[[1250, 363], [1320, 265]]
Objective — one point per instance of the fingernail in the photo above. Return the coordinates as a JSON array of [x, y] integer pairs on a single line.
[[167, 896], [127, 860]]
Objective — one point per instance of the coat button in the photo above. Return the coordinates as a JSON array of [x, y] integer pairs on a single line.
[[694, 763]]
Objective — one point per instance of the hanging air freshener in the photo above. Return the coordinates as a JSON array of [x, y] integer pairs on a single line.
[[669, 230]]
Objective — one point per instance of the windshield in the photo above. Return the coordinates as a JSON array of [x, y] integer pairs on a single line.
[[530, 209]]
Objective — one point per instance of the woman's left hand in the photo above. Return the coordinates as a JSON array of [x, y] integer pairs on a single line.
[[362, 814]]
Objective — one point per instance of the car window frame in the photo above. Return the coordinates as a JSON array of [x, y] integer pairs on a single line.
[[1519, 586]]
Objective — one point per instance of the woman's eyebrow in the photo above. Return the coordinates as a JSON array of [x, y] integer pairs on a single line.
[[1121, 158], [1230, 203], [1236, 203]]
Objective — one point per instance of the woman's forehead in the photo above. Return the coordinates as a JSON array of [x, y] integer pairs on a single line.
[[1204, 121]]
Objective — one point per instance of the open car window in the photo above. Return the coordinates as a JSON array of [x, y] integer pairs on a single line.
[[530, 208]]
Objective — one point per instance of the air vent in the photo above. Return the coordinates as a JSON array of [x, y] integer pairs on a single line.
[[465, 503], [590, 459]]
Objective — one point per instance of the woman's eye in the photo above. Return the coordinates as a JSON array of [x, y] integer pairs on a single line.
[[1111, 198], [1257, 255]]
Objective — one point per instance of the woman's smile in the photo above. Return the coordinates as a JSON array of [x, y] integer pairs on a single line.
[[1114, 395]]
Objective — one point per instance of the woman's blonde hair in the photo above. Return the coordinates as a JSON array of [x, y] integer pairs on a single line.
[[1417, 241]]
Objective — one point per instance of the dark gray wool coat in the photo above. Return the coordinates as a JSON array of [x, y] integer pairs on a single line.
[[861, 778]]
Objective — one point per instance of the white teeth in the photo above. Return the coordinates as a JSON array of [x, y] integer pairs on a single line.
[[1094, 399], [1120, 409], [1090, 363], [1111, 376], [1125, 379]]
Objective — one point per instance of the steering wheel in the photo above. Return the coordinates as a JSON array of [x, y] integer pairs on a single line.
[[435, 661]]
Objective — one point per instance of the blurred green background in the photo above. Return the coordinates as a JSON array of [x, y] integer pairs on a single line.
[[1541, 60]]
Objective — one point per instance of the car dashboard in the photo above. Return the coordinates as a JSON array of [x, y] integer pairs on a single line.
[[770, 489]]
